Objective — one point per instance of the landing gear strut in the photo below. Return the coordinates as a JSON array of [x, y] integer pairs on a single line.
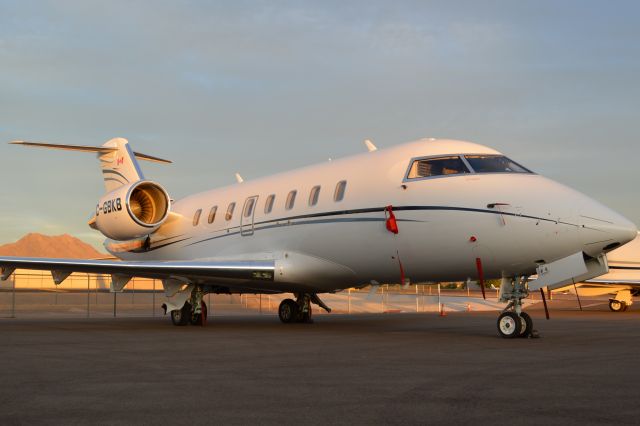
[[299, 310], [513, 322], [194, 310]]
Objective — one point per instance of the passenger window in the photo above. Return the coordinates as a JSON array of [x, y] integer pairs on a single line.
[[437, 167], [291, 199], [338, 194], [196, 217], [212, 214], [248, 207], [494, 164], [314, 195], [268, 206], [229, 213]]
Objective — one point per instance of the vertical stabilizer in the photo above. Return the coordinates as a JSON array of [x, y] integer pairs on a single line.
[[119, 166]]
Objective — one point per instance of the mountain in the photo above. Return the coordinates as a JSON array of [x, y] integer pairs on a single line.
[[38, 245]]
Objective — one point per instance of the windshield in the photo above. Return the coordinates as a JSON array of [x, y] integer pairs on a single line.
[[437, 167], [494, 164]]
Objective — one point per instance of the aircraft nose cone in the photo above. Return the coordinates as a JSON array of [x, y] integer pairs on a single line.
[[605, 233]]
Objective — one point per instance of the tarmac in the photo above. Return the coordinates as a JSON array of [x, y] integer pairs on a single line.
[[409, 368]]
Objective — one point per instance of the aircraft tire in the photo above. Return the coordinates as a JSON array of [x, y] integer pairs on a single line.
[[201, 318], [181, 317], [509, 325], [288, 311], [616, 305], [527, 325]]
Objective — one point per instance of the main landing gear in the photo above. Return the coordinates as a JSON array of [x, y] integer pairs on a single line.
[[193, 312], [621, 301], [513, 322], [617, 305], [299, 310]]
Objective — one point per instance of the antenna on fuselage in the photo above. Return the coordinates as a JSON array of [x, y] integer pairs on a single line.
[[370, 146], [239, 178]]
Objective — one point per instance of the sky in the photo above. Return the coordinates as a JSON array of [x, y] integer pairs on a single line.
[[259, 87]]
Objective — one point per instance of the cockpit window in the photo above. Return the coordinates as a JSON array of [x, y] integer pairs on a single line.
[[494, 164], [437, 167]]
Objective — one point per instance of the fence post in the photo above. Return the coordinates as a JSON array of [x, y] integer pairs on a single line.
[[153, 299], [439, 305], [13, 296], [88, 293]]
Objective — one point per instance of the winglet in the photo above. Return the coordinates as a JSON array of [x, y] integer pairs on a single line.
[[239, 178]]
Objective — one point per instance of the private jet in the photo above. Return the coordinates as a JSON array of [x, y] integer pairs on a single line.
[[424, 211], [622, 281]]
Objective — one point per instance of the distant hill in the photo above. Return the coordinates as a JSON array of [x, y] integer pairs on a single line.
[[38, 245]]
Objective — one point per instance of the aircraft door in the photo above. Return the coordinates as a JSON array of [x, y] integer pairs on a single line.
[[247, 217]]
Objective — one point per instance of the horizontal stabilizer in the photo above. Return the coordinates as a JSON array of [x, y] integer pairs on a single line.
[[85, 148]]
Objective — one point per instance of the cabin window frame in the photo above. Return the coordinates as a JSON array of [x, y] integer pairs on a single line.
[[314, 195], [212, 214], [249, 207], [269, 203], [196, 217], [342, 193], [290, 202], [228, 215]]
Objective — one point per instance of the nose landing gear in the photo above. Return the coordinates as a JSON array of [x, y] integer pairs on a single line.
[[513, 322]]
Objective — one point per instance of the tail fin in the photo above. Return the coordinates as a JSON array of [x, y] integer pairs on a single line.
[[118, 162]]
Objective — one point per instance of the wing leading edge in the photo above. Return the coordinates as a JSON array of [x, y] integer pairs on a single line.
[[262, 270]]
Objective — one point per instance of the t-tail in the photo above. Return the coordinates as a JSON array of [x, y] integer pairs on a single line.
[[132, 206]]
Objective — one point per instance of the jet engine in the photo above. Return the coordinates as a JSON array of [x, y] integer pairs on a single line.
[[132, 211]]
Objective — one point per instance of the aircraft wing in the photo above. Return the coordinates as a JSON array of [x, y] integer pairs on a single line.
[[613, 282], [225, 271]]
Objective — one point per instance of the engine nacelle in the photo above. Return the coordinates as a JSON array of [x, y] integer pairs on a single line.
[[132, 211]]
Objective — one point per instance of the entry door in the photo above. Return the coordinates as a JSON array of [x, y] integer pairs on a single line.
[[248, 213]]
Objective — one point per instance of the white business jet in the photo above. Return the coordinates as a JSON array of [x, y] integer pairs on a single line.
[[425, 211], [622, 281]]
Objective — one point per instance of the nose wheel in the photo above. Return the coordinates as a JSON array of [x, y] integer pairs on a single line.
[[513, 322], [511, 325]]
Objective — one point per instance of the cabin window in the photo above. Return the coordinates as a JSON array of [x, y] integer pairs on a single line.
[[229, 213], [268, 205], [494, 164], [248, 207], [196, 217], [212, 214], [314, 195], [291, 199], [341, 187], [441, 166]]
